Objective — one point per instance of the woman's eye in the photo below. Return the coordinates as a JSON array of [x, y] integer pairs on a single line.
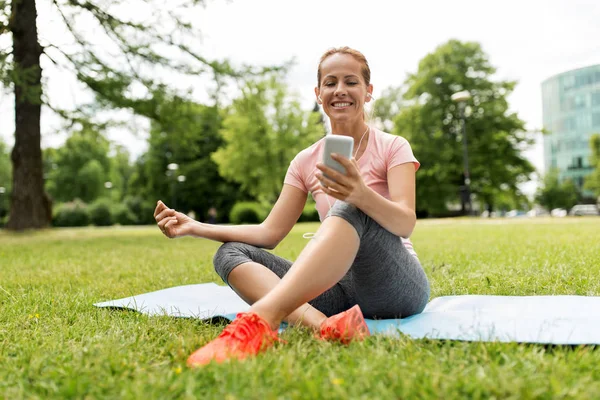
[[352, 83], [329, 83]]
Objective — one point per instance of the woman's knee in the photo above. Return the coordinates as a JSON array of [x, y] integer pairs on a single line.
[[352, 214], [229, 256]]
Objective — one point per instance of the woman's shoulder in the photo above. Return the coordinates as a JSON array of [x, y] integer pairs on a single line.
[[310, 152], [386, 137], [386, 141]]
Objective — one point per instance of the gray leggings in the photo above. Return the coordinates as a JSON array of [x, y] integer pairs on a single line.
[[385, 280]]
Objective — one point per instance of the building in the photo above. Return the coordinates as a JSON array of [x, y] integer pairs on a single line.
[[571, 114]]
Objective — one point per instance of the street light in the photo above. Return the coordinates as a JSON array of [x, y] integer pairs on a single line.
[[2, 191], [172, 173], [461, 99]]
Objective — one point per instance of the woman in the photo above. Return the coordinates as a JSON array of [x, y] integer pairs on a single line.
[[360, 257]]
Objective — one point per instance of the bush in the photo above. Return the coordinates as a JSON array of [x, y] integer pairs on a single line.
[[70, 214], [309, 214], [143, 210], [100, 213], [246, 213], [123, 216]]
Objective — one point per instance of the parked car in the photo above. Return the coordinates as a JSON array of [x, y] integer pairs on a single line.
[[558, 212], [584, 209]]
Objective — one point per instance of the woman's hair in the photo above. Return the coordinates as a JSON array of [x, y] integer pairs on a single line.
[[358, 56], [365, 70]]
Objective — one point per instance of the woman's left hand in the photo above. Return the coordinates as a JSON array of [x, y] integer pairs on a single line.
[[348, 187]]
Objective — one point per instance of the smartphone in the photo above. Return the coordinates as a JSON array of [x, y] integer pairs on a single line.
[[342, 145]]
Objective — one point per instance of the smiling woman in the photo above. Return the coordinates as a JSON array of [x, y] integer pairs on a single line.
[[360, 260]]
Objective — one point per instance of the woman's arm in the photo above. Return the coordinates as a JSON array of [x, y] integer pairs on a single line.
[[274, 228], [396, 215]]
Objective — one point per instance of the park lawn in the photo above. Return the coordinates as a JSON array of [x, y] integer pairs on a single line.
[[55, 344]]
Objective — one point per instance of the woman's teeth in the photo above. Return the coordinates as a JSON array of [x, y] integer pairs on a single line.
[[341, 104]]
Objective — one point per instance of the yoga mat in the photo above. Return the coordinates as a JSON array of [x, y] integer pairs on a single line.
[[568, 320]]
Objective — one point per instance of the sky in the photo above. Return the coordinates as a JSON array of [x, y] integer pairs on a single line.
[[526, 40]]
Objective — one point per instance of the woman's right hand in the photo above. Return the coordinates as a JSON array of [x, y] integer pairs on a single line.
[[173, 224]]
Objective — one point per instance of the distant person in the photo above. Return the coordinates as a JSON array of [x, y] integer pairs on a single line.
[[212, 216], [360, 261]]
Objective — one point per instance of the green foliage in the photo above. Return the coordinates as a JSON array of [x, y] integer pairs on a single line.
[[71, 214], [592, 181], [120, 173], [263, 131], [79, 168], [555, 194], [5, 178], [100, 212], [188, 139], [122, 215], [247, 213], [141, 209], [309, 213], [387, 107], [429, 120]]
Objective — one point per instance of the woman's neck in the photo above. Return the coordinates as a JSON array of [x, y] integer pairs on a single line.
[[354, 129], [359, 131]]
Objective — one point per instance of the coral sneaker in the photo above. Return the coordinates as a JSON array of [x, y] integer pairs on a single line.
[[246, 336], [345, 327]]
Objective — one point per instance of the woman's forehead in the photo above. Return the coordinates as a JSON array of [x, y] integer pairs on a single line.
[[340, 64]]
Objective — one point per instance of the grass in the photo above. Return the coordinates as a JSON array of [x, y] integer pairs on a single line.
[[55, 344]]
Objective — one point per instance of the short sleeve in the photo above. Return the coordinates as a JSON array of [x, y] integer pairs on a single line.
[[293, 176], [400, 152]]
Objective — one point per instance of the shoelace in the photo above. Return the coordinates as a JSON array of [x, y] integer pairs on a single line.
[[245, 329]]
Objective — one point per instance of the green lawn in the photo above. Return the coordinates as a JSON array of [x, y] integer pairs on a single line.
[[55, 344]]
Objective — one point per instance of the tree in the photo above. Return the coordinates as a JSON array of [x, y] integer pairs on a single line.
[[263, 131], [187, 139], [592, 181], [5, 178], [80, 167], [120, 173], [387, 107], [131, 63], [555, 194], [429, 120]]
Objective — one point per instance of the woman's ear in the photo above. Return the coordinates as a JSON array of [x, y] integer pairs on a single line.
[[369, 94], [317, 93]]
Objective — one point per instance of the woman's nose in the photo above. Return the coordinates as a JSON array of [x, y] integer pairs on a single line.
[[340, 90]]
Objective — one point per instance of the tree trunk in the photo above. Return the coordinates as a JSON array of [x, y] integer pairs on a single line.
[[30, 206]]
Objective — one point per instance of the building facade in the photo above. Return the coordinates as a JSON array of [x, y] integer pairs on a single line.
[[571, 115]]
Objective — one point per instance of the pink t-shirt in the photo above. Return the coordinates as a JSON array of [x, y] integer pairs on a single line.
[[384, 151]]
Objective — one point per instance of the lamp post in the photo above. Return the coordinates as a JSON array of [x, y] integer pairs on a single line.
[[461, 99], [2, 191]]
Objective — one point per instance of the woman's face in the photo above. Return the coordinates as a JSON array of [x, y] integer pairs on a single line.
[[342, 90]]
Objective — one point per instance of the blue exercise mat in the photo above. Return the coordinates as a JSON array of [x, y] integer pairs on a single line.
[[529, 319]]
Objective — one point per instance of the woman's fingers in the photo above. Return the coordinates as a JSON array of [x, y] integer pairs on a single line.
[[165, 213], [160, 206], [331, 184], [162, 224]]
